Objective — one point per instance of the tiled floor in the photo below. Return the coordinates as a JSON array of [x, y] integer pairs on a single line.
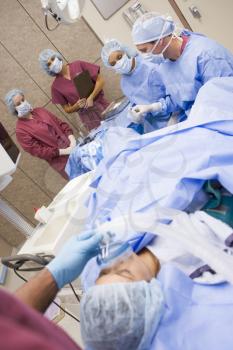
[[22, 36]]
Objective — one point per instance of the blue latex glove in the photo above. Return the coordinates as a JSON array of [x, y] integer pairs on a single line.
[[72, 258]]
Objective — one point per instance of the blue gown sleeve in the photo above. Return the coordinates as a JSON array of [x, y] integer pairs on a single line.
[[168, 105], [159, 94], [211, 66]]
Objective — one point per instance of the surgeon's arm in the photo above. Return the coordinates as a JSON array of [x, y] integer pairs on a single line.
[[160, 93], [211, 67], [40, 291], [168, 106]]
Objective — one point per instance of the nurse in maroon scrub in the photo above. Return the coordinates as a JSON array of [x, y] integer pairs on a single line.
[[65, 93], [41, 133]]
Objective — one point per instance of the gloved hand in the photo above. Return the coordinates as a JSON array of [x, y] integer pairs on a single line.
[[72, 141], [65, 151], [139, 111], [72, 258]]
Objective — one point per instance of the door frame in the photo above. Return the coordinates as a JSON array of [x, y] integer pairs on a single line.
[[180, 14]]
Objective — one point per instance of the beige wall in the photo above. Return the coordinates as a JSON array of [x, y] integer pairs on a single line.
[[116, 26], [215, 19], [22, 37]]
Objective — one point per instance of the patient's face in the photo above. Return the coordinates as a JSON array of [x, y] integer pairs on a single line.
[[132, 269]]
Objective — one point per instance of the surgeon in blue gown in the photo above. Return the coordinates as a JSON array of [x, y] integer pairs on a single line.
[[140, 82], [191, 59]]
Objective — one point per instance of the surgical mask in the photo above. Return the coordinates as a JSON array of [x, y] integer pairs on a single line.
[[124, 65], [56, 66], [23, 109], [149, 56], [157, 57], [157, 42]]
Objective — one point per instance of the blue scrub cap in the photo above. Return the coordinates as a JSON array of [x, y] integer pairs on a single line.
[[44, 56], [114, 45], [121, 315], [150, 27], [9, 100]]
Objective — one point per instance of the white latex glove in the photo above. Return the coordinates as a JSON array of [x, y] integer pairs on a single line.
[[72, 141], [139, 111], [65, 151]]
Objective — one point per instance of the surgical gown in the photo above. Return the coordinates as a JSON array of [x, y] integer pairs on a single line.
[[197, 317], [201, 60], [144, 86], [167, 167]]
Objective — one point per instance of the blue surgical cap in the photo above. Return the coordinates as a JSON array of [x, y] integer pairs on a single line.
[[44, 56], [151, 27], [9, 100], [121, 315], [114, 45]]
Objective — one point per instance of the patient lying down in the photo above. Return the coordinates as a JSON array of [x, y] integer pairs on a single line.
[[137, 304], [121, 322], [143, 266]]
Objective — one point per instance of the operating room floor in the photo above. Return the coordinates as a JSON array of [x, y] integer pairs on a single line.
[[71, 326], [70, 303]]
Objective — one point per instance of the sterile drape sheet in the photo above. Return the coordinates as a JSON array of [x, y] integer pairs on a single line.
[[167, 167]]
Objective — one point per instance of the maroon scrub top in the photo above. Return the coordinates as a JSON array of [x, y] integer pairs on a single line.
[[64, 92], [22, 328], [42, 137]]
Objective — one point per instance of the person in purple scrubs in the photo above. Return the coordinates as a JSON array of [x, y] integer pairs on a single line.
[[65, 93], [40, 133]]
